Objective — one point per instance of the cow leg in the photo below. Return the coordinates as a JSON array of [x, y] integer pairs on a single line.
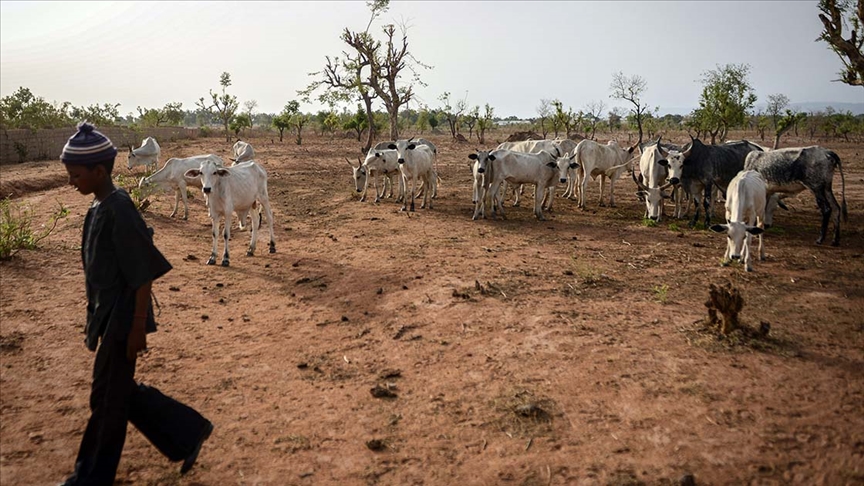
[[212, 260], [612, 192], [256, 221], [697, 198], [706, 203], [517, 195], [602, 188], [539, 195], [835, 212], [176, 202], [226, 235], [825, 209]]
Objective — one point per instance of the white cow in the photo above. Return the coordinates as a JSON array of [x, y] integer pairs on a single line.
[[416, 162], [243, 152], [237, 189], [603, 161], [540, 169], [531, 147], [745, 216], [652, 168], [147, 154], [173, 176], [380, 162]]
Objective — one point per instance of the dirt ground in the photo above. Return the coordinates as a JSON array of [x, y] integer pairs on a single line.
[[518, 352]]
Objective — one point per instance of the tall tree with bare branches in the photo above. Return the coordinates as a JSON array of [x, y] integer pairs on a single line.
[[837, 15], [631, 89]]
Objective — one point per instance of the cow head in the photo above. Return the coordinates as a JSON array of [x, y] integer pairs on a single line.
[[210, 174], [774, 201], [481, 160], [653, 197], [359, 174], [737, 234], [402, 147], [565, 165]]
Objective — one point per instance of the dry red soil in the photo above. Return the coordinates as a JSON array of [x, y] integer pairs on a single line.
[[567, 351]]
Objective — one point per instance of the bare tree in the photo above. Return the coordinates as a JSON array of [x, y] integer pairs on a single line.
[[593, 112], [250, 109], [452, 114], [849, 50], [630, 89], [544, 111]]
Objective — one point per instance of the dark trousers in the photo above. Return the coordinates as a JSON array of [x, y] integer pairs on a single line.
[[115, 398]]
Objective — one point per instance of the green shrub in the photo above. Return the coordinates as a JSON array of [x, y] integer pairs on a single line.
[[661, 292], [130, 184], [16, 228], [649, 223]]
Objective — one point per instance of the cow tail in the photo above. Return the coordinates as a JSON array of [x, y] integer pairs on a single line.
[[844, 209]]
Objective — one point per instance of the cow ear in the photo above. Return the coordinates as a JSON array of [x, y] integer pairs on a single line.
[[491, 157], [222, 172], [782, 205], [573, 165], [412, 147], [552, 164], [391, 146], [472, 156], [719, 228], [192, 173], [665, 196], [755, 230], [663, 162]]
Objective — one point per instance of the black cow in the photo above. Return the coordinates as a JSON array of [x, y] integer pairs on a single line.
[[698, 168], [791, 170]]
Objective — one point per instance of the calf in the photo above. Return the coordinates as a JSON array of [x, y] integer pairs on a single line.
[[540, 169], [239, 188], [416, 162], [243, 152], [790, 170], [383, 162], [147, 154], [745, 216], [534, 147], [698, 168], [173, 176]]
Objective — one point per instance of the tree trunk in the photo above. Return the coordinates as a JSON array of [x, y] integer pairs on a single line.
[[370, 121], [776, 141], [227, 132], [394, 122], [281, 131]]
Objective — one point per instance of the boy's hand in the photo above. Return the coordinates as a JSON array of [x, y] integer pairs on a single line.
[[137, 342]]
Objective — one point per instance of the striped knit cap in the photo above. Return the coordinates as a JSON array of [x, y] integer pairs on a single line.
[[87, 147]]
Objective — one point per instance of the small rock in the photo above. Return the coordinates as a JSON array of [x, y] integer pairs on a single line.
[[404, 287], [687, 480], [302, 366], [190, 258], [267, 265], [380, 290], [204, 317], [376, 445], [296, 264], [382, 392], [568, 272], [221, 301], [344, 318], [220, 285], [174, 289], [764, 328]]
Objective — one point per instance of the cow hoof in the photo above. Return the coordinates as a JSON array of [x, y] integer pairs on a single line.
[[250, 253], [748, 269], [272, 247], [835, 243], [225, 263], [211, 261], [819, 241], [725, 263]]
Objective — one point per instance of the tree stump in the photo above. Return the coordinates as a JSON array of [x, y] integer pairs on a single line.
[[726, 301]]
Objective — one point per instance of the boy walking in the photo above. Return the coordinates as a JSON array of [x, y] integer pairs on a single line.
[[120, 264]]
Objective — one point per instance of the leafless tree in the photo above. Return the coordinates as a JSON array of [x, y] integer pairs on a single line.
[[631, 89]]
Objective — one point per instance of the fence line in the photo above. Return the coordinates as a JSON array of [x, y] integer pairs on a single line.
[[22, 145]]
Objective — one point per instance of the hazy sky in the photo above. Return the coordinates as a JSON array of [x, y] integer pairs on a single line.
[[506, 53]]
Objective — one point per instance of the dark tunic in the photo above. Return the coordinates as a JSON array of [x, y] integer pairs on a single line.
[[119, 257]]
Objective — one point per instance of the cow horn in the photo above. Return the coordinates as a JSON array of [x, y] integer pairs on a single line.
[[349, 162], [665, 186], [412, 138], [638, 182]]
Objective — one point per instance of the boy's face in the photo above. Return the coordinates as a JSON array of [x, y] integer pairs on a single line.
[[85, 178]]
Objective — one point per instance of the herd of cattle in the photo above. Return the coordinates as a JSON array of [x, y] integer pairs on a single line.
[[753, 181]]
